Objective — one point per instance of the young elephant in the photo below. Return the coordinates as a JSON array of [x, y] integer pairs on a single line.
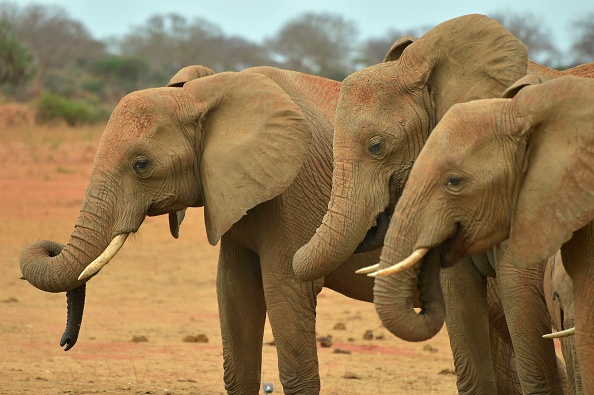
[[516, 168], [255, 149], [386, 113]]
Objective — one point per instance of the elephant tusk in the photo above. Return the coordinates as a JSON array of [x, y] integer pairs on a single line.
[[105, 257], [368, 269], [412, 260], [556, 335]]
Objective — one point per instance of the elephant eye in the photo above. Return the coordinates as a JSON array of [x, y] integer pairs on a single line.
[[454, 183], [141, 164], [376, 145]]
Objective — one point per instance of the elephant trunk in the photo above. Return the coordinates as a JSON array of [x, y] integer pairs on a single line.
[[394, 294], [341, 231], [52, 267]]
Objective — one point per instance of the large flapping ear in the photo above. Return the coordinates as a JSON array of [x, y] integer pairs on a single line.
[[254, 142], [186, 74], [466, 58], [398, 47], [527, 80], [189, 73], [555, 197]]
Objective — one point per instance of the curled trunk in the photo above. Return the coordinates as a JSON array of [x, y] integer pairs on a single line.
[[394, 298], [52, 267]]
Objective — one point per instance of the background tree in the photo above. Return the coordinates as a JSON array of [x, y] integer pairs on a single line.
[[583, 46], [16, 62], [170, 42], [317, 43], [530, 30], [373, 50], [55, 40]]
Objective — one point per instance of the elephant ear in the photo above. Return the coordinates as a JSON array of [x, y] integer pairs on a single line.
[[189, 73], [466, 58], [186, 74], [555, 197], [527, 80], [254, 141], [398, 47]]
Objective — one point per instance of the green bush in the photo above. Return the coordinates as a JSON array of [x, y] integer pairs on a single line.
[[52, 107]]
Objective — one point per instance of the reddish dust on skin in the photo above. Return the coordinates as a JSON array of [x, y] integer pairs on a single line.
[[156, 287], [583, 70]]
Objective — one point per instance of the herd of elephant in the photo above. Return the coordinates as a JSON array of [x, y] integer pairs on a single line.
[[462, 167]]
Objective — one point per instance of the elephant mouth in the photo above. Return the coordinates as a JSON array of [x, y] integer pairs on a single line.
[[374, 238], [454, 247]]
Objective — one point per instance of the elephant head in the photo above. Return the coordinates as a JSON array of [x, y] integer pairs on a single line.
[[165, 149], [384, 116], [496, 169]]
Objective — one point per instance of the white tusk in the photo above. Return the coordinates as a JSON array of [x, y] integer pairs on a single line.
[[412, 260], [105, 257], [556, 335], [368, 269]]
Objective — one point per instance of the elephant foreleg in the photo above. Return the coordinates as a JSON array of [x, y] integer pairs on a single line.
[[467, 321], [242, 312], [291, 311], [528, 319]]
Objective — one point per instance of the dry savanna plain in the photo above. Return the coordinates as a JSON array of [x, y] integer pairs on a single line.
[[151, 322]]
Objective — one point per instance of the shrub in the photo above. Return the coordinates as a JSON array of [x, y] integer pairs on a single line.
[[52, 107]]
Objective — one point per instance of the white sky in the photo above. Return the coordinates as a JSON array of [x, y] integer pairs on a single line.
[[257, 19]]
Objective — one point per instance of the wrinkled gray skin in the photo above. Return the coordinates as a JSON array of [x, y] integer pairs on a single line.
[[384, 117], [257, 141], [256, 251], [515, 170], [558, 290]]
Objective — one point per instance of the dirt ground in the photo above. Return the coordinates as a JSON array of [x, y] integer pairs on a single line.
[[159, 290]]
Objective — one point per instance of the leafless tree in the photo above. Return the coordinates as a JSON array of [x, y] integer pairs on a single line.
[[583, 47], [529, 29], [316, 43], [53, 37], [374, 49]]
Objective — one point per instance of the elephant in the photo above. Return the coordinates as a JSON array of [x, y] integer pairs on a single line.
[[254, 272], [558, 290], [385, 114], [255, 149], [516, 171]]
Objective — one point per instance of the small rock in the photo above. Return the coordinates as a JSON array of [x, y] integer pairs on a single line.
[[325, 341], [12, 299], [139, 339], [271, 343], [380, 337], [201, 338], [446, 371], [350, 339], [368, 335], [341, 351], [267, 388], [339, 326], [350, 375], [429, 348]]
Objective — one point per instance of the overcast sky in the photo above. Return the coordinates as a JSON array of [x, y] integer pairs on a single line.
[[257, 19]]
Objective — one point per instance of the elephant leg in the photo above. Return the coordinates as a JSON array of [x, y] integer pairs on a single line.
[[502, 351], [242, 311], [467, 321], [528, 319], [578, 260], [292, 311]]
